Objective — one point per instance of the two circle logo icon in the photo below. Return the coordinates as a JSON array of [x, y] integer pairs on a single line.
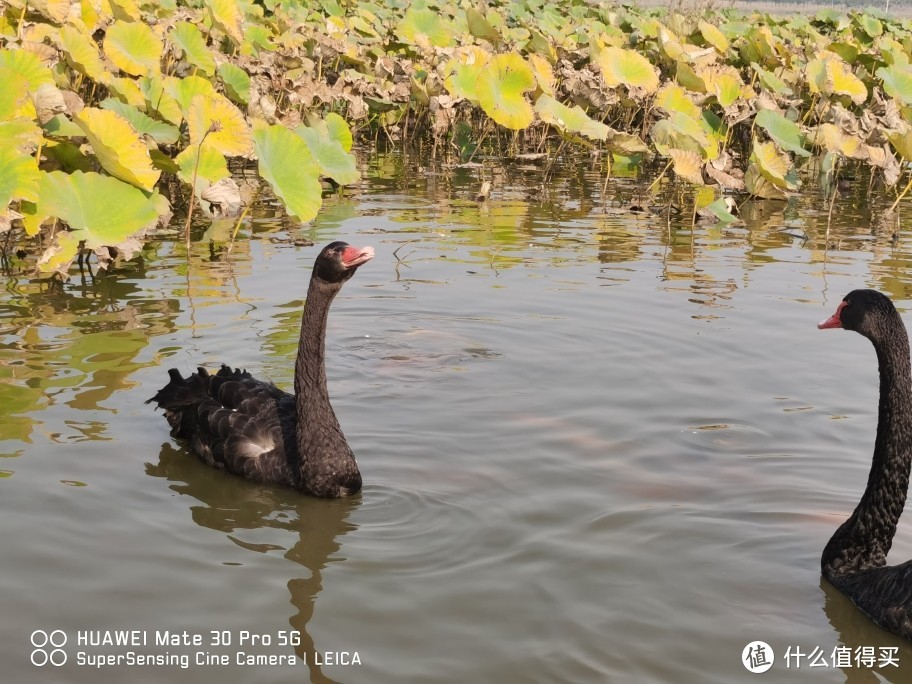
[[49, 648]]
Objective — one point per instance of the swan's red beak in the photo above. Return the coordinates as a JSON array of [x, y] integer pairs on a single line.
[[353, 257], [833, 321]]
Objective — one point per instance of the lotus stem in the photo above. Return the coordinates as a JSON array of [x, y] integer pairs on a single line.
[[664, 171], [237, 226], [901, 195]]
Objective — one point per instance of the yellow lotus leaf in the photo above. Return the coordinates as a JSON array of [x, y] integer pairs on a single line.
[[834, 140], [688, 165], [227, 15], [82, 54], [670, 45], [127, 90], [758, 185], [55, 10], [183, 90], [217, 121], [501, 87], [544, 74], [902, 143], [629, 68], [155, 93], [29, 66], [571, 120], [127, 10], [133, 47], [119, 149], [772, 164], [463, 71], [714, 37], [673, 98], [841, 81]]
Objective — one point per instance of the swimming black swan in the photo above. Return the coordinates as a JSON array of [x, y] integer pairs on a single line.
[[854, 560], [254, 429]]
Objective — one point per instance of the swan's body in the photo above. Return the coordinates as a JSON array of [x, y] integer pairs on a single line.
[[252, 428], [854, 560]]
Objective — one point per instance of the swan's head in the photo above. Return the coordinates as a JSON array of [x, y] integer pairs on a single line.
[[863, 311], [338, 261]]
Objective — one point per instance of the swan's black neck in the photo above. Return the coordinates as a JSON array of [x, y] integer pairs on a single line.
[[327, 465], [863, 541]]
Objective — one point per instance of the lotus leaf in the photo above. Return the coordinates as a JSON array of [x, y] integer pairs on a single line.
[[118, 147], [286, 164], [714, 37], [501, 85], [82, 54], [773, 164], [573, 120], [27, 65], [758, 186], [227, 15], [786, 133], [629, 68], [188, 38], [688, 165], [161, 132], [897, 82], [133, 47], [18, 176], [329, 154], [237, 82], [673, 98], [425, 26], [218, 122]]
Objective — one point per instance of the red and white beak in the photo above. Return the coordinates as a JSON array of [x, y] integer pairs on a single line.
[[355, 256], [834, 320]]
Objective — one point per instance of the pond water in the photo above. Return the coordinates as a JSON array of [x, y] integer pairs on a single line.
[[597, 445]]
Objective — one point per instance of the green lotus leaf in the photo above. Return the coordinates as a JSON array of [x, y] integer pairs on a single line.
[[786, 133], [214, 119], [673, 98], [330, 156], [727, 89], [720, 210], [501, 85], [687, 77], [161, 132], [183, 90], [118, 147], [28, 65], [18, 176], [204, 164], [82, 54], [869, 25], [189, 38], [629, 68], [101, 210], [258, 38], [847, 51], [569, 119], [227, 15], [157, 99], [897, 81], [237, 82], [665, 136], [69, 156], [465, 70], [771, 81], [61, 127], [425, 26], [338, 130], [480, 27], [133, 47], [286, 164]]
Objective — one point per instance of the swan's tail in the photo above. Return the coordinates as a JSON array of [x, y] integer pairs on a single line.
[[181, 398]]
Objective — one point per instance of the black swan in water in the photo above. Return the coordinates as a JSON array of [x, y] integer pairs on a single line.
[[854, 560], [254, 429]]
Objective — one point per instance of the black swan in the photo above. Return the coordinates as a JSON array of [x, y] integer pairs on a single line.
[[254, 429], [854, 560]]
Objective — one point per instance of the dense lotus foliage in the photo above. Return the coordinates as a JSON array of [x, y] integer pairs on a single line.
[[115, 113]]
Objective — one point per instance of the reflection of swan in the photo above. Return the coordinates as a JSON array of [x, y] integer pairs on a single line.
[[229, 504], [853, 633], [855, 558], [254, 429]]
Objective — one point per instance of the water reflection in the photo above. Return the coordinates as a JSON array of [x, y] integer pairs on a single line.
[[228, 504], [854, 632]]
